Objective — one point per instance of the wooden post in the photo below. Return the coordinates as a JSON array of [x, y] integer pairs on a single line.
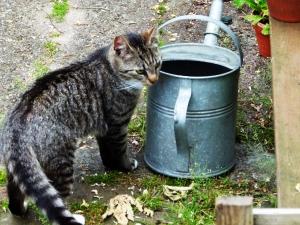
[[285, 47], [281, 216], [234, 211]]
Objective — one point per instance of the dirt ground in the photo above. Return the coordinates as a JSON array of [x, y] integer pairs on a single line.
[[25, 27]]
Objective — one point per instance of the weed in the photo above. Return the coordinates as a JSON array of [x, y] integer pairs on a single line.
[[92, 212], [255, 112], [161, 8], [267, 201], [40, 69], [54, 35], [51, 48], [178, 182], [20, 84], [2, 177], [161, 42], [4, 205], [152, 201], [59, 10], [40, 216], [137, 125], [151, 182], [106, 178]]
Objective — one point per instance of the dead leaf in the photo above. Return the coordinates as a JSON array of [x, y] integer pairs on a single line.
[[84, 204], [256, 107], [121, 208], [94, 191], [298, 187], [176, 193], [79, 212]]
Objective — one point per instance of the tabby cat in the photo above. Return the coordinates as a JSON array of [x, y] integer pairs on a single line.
[[93, 97]]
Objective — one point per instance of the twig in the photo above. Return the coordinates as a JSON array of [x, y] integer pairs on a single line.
[[92, 7], [53, 25]]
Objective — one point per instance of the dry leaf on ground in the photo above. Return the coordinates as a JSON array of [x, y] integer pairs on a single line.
[[176, 193], [121, 208]]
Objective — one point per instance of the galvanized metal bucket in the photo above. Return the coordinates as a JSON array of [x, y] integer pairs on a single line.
[[192, 108]]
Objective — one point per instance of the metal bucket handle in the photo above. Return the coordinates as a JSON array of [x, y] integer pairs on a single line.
[[185, 93], [208, 19]]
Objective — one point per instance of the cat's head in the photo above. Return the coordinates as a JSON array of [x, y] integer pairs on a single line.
[[137, 57]]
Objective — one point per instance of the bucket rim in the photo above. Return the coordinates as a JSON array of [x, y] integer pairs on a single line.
[[191, 44], [199, 77]]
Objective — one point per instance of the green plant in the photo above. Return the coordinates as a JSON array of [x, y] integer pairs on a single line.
[[137, 125], [4, 205], [154, 201], [59, 10], [20, 84], [54, 35], [51, 48], [40, 216], [2, 177], [92, 211], [161, 8], [106, 178], [40, 69], [259, 12]]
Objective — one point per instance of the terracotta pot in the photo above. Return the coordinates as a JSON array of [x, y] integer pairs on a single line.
[[263, 41], [285, 10]]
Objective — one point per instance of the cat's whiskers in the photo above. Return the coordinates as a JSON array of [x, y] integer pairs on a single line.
[[129, 84]]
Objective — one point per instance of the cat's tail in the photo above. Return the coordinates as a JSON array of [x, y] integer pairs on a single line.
[[27, 177]]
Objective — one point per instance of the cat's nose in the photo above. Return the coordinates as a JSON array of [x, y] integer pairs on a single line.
[[152, 77]]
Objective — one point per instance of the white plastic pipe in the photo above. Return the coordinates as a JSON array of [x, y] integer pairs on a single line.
[[211, 33]]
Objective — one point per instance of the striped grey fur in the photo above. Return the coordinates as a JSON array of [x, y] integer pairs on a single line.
[[94, 97]]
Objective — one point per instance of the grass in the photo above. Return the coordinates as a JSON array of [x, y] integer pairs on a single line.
[[40, 66], [106, 178], [54, 34], [255, 112], [40, 216], [137, 125], [2, 177], [161, 8], [92, 212], [51, 48], [60, 8], [152, 201], [196, 209], [39, 69], [4, 205], [20, 84]]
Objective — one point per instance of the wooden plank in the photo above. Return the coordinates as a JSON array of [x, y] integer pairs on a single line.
[[234, 211], [278, 216], [285, 47]]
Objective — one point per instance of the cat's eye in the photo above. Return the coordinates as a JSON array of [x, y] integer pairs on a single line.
[[141, 72]]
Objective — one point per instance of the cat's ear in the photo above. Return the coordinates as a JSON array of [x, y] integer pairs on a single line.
[[149, 36], [121, 46]]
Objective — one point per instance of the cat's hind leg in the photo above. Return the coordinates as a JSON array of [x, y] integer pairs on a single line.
[[61, 175], [16, 198], [113, 150]]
